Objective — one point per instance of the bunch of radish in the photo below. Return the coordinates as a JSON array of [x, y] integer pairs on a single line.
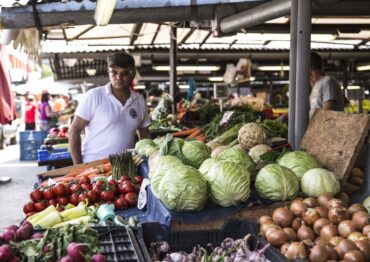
[[319, 229]]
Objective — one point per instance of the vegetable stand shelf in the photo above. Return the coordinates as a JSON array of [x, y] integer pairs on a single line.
[[56, 163]]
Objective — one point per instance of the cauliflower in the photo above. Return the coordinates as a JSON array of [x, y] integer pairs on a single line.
[[250, 135], [256, 152]]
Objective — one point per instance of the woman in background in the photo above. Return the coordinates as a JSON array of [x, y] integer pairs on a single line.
[[46, 113]]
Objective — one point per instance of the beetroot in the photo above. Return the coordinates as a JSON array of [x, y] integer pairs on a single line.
[[12, 227], [77, 251], [66, 259], [98, 258], [6, 253], [37, 236], [15, 259], [8, 235], [23, 233]]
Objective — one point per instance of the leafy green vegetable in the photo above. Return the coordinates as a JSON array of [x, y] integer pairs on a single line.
[[275, 128], [195, 152], [319, 180], [238, 156]]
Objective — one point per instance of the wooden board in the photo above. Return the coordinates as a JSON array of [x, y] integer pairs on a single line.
[[66, 170], [247, 213], [335, 139]]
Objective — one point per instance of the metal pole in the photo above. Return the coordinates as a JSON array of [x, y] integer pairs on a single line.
[[303, 69], [173, 64], [292, 71]]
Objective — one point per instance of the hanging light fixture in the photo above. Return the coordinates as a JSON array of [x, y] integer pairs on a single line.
[[103, 11]]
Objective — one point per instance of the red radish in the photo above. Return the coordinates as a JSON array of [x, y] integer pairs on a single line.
[[66, 259], [37, 236], [15, 259], [23, 233], [98, 258], [13, 227], [6, 253], [77, 251], [8, 235]]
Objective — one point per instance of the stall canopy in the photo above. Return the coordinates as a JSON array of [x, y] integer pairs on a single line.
[[44, 85]]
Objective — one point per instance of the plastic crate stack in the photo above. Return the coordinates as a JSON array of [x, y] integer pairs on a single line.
[[56, 154], [30, 142]]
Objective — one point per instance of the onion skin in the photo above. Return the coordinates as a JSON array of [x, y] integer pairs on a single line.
[[323, 211], [284, 248], [332, 253], [305, 232], [354, 255], [361, 219], [344, 246], [329, 231], [338, 214], [366, 230], [318, 254], [321, 242], [264, 219], [324, 199], [298, 206], [364, 247], [334, 241], [344, 198], [319, 224], [266, 227], [357, 236], [310, 216], [276, 237], [311, 202], [290, 233], [297, 223], [345, 228], [296, 250], [355, 208], [335, 203], [282, 216]]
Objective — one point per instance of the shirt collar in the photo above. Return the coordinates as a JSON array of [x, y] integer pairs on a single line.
[[108, 91]]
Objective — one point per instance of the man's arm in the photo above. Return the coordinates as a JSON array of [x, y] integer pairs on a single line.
[[329, 105], [144, 133], [78, 125]]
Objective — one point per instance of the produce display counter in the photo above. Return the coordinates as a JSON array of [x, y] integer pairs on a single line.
[[56, 163]]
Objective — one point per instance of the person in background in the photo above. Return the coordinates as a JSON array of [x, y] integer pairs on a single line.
[[30, 113], [46, 113], [326, 92], [110, 114]]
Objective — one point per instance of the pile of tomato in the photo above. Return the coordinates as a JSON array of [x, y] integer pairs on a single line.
[[123, 194]]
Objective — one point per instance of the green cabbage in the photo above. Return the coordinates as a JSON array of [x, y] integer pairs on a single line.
[[159, 140], [183, 189], [172, 146], [366, 203], [143, 144], [195, 152], [238, 156], [229, 183], [218, 150], [276, 182], [207, 165], [299, 162], [156, 175], [153, 161], [150, 150], [161, 163], [319, 180]]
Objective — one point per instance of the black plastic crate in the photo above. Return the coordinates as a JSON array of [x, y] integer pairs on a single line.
[[119, 244], [186, 240]]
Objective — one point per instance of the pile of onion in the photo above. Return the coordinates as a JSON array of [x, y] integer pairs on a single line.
[[319, 229]]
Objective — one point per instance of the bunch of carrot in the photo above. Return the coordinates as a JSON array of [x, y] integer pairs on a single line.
[[91, 172], [192, 133]]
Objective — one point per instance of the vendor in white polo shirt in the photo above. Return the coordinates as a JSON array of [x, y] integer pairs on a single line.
[[109, 114]]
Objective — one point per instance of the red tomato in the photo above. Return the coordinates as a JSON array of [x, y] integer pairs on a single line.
[[30, 214], [99, 186], [139, 179], [86, 187], [29, 207], [107, 195], [131, 199], [74, 199], [75, 188], [39, 206], [48, 194], [120, 204], [68, 190], [92, 196], [60, 208], [85, 180], [36, 195], [63, 200], [127, 187], [82, 197], [112, 182], [53, 202], [123, 201], [59, 190], [125, 178]]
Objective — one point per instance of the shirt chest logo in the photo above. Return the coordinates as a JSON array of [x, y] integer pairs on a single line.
[[133, 113]]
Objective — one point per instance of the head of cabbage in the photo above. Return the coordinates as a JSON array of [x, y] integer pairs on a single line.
[[228, 183], [183, 188], [319, 180], [172, 146], [299, 162], [207, 165], [238, 156], [275, 182], [161, 163], [195, 152], [143, 144]]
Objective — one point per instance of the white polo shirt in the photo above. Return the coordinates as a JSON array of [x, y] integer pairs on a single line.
[[112, 126]]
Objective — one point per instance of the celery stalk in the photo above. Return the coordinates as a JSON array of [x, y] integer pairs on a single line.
[[50, 220], [76, 221]]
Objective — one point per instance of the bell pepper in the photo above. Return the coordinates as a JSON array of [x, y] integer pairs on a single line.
[[50, 220], [76, 221], [40, 215], [76, 212]]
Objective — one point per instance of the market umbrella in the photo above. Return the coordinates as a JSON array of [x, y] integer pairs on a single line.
[[7, 106]]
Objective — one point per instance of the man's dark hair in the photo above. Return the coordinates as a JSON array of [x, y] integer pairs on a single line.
[[316, 62], [121, 59], [45, 97]]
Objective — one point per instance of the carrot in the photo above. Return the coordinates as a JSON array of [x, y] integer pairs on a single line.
[[201, 138], [88, 172], [184, 132], [194, 134]]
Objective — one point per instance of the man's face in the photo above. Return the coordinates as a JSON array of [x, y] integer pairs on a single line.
[[121, 78]]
